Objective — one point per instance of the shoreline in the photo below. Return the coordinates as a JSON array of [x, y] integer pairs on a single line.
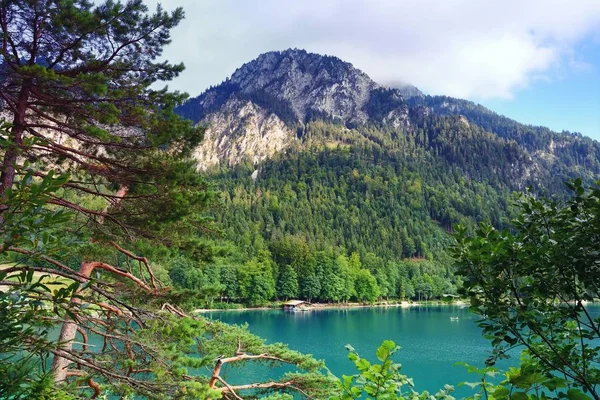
[[333, 306]]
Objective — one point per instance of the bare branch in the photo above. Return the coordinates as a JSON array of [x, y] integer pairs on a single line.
[[142, 260]]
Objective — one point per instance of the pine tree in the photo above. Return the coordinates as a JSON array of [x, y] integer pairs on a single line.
[[92, 140]]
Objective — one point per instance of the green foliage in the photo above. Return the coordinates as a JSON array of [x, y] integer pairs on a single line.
[[526, 381], [278, 396], [78, 82], [260, 290], [92, 67], [383, 194], [23, 339], [382, 381], [366, 287], [288, 283], [311, 287], [28, 300], [531, 284], [30, 224]]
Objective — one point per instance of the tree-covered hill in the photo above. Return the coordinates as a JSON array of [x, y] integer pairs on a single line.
[[563, 154], [313, 159], [367, 197]]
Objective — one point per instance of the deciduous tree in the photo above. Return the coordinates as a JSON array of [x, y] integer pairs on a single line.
[[532, 284]]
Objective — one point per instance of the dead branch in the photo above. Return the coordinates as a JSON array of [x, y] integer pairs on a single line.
[[264, 385], [216, 375], [120, 272], [84, 336], [76, 372], [110, 308], [238, 351], [229, 388], [131, 356]]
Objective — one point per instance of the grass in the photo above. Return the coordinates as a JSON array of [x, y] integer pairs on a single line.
[[54, 282]]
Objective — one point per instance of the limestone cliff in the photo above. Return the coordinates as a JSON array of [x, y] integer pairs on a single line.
[[241, 130]]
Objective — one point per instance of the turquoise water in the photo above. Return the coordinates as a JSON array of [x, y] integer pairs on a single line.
[[431, 342]]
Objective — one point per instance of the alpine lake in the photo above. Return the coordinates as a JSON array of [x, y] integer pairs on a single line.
[[432, 340]]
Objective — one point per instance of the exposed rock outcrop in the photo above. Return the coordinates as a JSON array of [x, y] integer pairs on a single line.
[[242, 130], [308, 83]]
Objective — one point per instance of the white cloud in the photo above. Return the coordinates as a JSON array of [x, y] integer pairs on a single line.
[[465, 48]]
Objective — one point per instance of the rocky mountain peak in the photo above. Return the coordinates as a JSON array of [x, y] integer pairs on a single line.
[[257, 111], [308, 83]]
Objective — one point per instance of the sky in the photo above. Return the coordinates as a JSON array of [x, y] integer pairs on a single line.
[[537, 61]]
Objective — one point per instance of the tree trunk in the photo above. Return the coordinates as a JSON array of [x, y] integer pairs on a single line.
[[7, 177], [68, 331], [10, 159], [69, 328]]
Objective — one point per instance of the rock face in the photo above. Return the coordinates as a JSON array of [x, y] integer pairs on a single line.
[[241, 130], [308, 83], [257, 111], [263, 109]]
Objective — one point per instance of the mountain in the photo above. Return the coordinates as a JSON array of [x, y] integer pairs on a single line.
[[315, 161], [304, 84], [264, 108]]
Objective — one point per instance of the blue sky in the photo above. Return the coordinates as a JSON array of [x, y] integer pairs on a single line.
[[569, 99], [537, 61]]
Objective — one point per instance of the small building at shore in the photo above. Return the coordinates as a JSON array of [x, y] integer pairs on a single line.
[[295, 305]]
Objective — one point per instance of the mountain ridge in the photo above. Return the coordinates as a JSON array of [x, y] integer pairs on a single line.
[[263, 109], [309, 82]]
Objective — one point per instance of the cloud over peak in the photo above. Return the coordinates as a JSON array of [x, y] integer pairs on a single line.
[[464, 48]]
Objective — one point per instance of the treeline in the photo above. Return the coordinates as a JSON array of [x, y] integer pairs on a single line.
[[292, 271]]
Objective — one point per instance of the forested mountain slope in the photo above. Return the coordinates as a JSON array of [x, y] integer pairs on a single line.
[[310, 153]]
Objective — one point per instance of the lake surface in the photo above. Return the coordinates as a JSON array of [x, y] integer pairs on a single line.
[[431, 342]]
